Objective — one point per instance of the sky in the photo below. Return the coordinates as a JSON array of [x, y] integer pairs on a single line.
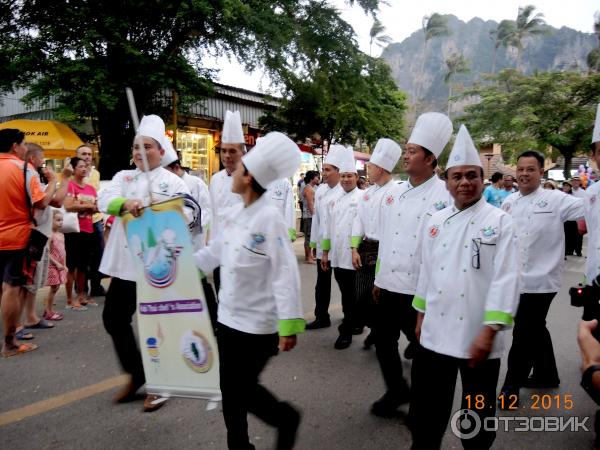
[[403, 17]]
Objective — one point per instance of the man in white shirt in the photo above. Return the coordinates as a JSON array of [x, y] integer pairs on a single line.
[[577, 190], [366, 228], [337, 253], [539, 215], [405, 210], [468, 291]]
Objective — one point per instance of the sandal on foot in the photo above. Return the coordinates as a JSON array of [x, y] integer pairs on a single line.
[[42, 324], [90, 302], [22, 348], [24, 335], [53, 316], [78, 308]]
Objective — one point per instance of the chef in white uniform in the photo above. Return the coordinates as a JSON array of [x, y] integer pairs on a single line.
[[366, 227], [539, 215], [222, 198], [128, 192], [260, 306], [325, 197], [337, 253], [468, 291], [405, 210], [281, 194], [592, 214]]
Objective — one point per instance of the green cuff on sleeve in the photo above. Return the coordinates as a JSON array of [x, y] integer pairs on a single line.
[[377, 266], [313, 245], [419, 303], [499, 317], [290, 327], [114, 207], [355, 241], [292, 234], [326, 244]]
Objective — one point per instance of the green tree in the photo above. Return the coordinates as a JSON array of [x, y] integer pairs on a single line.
[[503, 36], [377, 36], [546, 109], [527, 25], [455, 64], [86, 52]]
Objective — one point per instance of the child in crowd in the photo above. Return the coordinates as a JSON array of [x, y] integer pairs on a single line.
[[57, 270]]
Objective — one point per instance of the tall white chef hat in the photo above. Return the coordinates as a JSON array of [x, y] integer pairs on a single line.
[[153, 127], [596, 134], [386, 154], [464, 152], [335, 155], [170, 153], [347, 162], [432, 131], [232, 129], [274, 156]]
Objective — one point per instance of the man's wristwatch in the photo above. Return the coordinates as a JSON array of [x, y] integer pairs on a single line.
[[587, 384]]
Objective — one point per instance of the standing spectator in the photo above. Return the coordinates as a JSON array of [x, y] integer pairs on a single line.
[[496, 192], [15, 230], [550, 185], [577, 190], [57, 269], [300, 186], [573, 240], [93, 178], [308, 209], [508, 184], [81, 198]]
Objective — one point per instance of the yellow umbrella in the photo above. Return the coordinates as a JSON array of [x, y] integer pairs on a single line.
[[57, 139]]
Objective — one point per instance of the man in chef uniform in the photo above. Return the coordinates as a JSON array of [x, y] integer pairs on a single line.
[[260, 307], [468, 291], [325, 197], [221, 196], [128, 192], [365, 228], [281, 194], [405, 210], [337, 253]]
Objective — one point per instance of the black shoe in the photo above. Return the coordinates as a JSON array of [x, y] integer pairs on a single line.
[[411, 350], [508, 398], [318, 323], [537, 383], [578, 253], [357, 330], [97, 291], [387, 406], [343, 341], [369, 341], [287, 432]]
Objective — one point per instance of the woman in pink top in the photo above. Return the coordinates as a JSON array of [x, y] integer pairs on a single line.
[[81, 198]]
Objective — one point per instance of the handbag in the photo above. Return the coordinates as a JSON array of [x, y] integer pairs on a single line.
[[37, 239], [70, 222]]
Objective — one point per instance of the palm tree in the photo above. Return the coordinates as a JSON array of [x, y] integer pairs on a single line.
[[593, 57], [455, 64], [503, 36], [433, 26], [376, 35], [527, 26]]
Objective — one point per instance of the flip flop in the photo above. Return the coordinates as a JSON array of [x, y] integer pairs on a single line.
[[42, 324], [78, 308], [23, 348], [53, 316], [24, 335]]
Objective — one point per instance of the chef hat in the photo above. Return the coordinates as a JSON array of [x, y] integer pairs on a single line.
[[596, 134], [347, 162], [170, 153], [153, 127], [386, 154], [274, 156], [232, 129], [335, 155], [432, 131], [463, 151]]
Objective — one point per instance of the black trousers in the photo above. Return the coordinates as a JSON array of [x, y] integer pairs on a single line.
[[322, 292], [242, 357], [532, 345], [211, 301], [96, 256], [393, 313], [217, 280], [573, 240], [119, 308], [346, 280], [365, 306], [433, 382]]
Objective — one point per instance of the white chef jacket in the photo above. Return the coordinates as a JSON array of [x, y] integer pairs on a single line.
[[579, 193], [132, 184], [539, 219], [324, 199], [405, 210], [221, 199], [338, 229], [368, 218], [592, 221], [280, 193], [260, 283], [200, 193], [457, 298]]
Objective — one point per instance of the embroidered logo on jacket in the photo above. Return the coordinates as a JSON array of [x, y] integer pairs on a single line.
[[366, 197], [542, 203], [440, 205], [257, 240], [488, 231], [434, 231], [163, 186], [389, 199]]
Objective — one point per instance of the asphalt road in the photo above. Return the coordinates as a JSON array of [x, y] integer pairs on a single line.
[[60, 395]]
